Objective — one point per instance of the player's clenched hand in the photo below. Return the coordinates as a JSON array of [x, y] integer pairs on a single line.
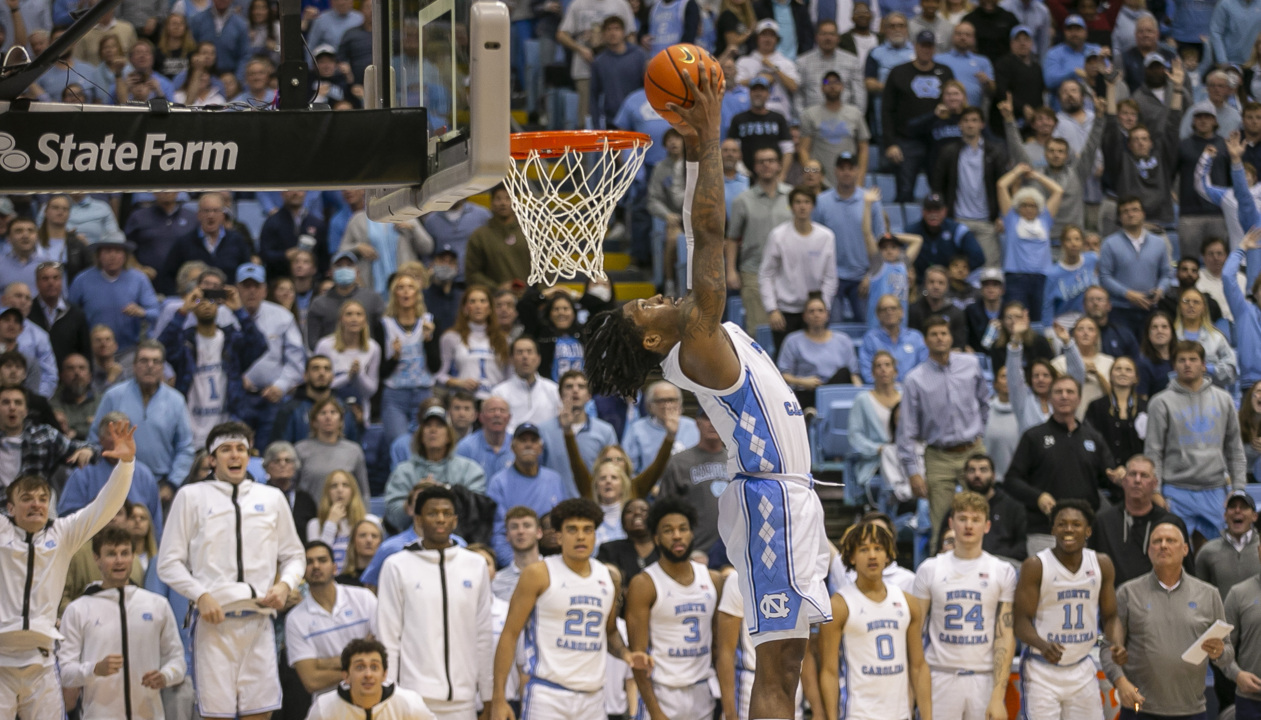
[[639, 660], [1120, 655], [209, 609], [996, 710], [1053, 652], [500, 710], [108, 665], [276, 597], [154, 680]]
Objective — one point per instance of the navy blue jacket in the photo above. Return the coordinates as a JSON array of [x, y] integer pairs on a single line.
[[241, 348], [232, 251]]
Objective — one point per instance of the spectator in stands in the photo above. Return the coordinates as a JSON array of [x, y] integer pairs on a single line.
[[523, 535], [365, 541], [905, 345], [1115, 340], [22, 253], [75, 401], [931, 17], [1220, 89], [121, 298], [331, 24], [270, 378], [327, 450], [384, 248], [60, 243], [290, 227], [1035, 17], [106, 370], [1137, 35], [1199, 219], [293, 418], [524, 482], [453, 228], [258, 92], [1233, 30], [27, 338], [934, 302], [1213, 253], [984, 315], [1069, 279], [281, 463], [815, 355], [1071, 172], [1122, 411], [1154, 96], [1232, 558], [797, 263], [871, 431], [86, 50], [735, 181], [579, 33], [840, 212], [858, 38], [1030, 373], [341, 508], [531, 398], [1121, 531], [1155, 363], [489, 446], [911, 91], [761, 128], [831, 129], [1143, 164], [1019, 73], [993, 26], [1027, 223], [698, 476], [228, 30], [498, 255], [754, 214], [1083, 360], [1247, 315], [87, 481], [616, 72], [433, 458], [330, 617], [944, 406], [555, 324], [155, 229], [965, 175], [770, 62], [1134, 265], [324, 313], [210, 242], [976, 72], [60, 76], [407, 329], [671, 22], [1193, 437], [813, 67], [1002, 430], [1185, 607], [611, 490], [474, 351], [943, 238], [637, 550], [573, 431], [645, 435], [895, 50], [1193, 323], [1062, 61]]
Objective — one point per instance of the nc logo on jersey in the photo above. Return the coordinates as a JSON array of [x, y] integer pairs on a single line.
[[147, 617], [348, 613], [50, 544], [1048, 441], [774, 606], [468, 584], [259, 507], [1089, 445]]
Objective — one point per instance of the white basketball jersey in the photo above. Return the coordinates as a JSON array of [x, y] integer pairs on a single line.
[[1068, 606], [732, 603], [565, 640], [964, 597], [874, 662], [758, 417], [207, 393], [681, 636]]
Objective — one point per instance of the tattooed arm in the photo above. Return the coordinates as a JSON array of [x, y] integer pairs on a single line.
[[707, 355], [1004, 646]]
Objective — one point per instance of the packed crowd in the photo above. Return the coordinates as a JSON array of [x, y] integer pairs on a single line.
[[1057, 312]]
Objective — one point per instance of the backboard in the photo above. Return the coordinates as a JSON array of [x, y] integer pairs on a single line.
[[450, 57]]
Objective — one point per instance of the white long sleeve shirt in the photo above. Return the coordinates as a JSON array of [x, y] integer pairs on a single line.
[[150, 640], [529, 402], [396, 704], [232, 542], [434, 618], [33, 572], [795, 265]]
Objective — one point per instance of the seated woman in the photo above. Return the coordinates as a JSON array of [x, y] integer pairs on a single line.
[[328, 450], [1155, 360], [1030, 395], [341, 508], [365, 540], [817, 356], [1082, 360], [869, 428]]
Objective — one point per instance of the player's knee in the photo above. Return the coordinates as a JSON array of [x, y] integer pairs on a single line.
[[779, 666]]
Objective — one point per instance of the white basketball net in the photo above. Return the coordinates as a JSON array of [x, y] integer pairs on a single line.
[[563, 205]]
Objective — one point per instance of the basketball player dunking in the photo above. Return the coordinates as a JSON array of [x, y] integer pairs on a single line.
[[771, 519]]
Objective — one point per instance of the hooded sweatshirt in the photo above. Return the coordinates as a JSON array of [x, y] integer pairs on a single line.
[[434, 618], [451, 470], [141, 627], [1193, 438]]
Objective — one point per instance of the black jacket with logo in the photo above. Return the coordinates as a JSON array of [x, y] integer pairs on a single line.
[[1067, 464]]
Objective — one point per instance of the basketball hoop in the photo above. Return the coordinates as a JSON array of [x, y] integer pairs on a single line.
[[564, 186]]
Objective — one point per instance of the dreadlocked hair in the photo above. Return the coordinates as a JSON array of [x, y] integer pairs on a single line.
[[616, 361]]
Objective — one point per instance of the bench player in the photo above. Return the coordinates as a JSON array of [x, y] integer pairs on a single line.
[[670, 608], [875, 632], [567, 606], [771, 519], [966, 595], [1061, 594]]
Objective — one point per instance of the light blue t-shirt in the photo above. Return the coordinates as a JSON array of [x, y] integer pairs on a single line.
[[1026, 254], [804, 357], [890, 279]]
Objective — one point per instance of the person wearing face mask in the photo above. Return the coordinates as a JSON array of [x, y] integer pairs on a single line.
[[325, 310]]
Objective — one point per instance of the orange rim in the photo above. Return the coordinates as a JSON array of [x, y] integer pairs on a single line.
[[555, 143]]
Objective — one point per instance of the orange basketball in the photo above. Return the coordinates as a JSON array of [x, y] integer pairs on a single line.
[[663, 80]]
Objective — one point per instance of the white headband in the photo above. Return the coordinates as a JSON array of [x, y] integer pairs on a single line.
[[227, 439]]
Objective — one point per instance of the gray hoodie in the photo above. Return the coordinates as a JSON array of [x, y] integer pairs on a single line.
[[1193, 437]]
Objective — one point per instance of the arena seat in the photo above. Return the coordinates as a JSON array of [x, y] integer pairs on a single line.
[[829, 433], [762, 334], [855, 330]]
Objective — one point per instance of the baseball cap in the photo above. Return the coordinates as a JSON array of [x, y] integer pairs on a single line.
[[925, 37], [760, 81], [934, 201], [350, 255], [447, 249], [6, 206], [1155, 57], [888, 239], [251, 271], [434, 412], [1203, 107], [325, 49], [526, 429], [846, 157], [1236, 495], [1074, 21], [765, 25], [12, 311], [1092, 51], [1020, 29], [111, 238], [992, 275]]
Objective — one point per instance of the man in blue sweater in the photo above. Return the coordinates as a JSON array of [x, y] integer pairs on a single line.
[[120, 298], [526, 483], [227, 29], [615, 73], [1134, 267]]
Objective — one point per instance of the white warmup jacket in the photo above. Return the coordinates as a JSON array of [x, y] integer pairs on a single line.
[[148, 640], [434, 618], [33, 572], [231, 541], [396, 704]]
